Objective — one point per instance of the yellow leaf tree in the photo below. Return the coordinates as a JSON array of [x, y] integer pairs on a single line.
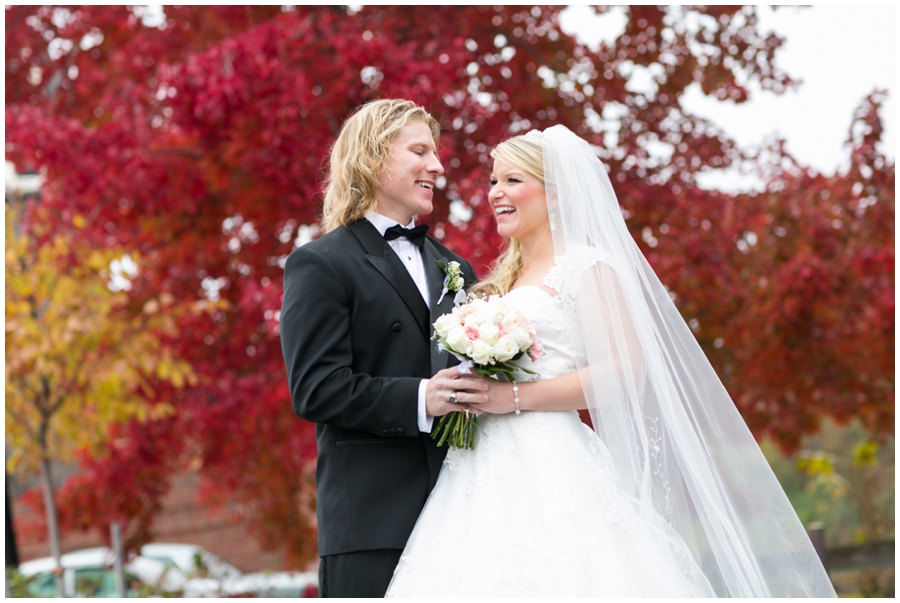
[[76, 359]]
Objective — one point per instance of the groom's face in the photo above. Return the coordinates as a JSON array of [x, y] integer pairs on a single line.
[[406, 185]]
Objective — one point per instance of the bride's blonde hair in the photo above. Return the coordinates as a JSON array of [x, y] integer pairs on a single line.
[[525, 153]]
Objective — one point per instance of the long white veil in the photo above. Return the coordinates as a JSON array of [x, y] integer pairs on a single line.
[[675, 440]]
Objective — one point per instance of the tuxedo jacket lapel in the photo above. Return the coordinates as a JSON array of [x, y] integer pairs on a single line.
[[383, 258], [435, 275]]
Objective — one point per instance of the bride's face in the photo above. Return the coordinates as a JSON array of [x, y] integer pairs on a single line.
[[519, 202]]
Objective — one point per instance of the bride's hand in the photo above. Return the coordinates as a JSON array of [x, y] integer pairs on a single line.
[[470, 390]]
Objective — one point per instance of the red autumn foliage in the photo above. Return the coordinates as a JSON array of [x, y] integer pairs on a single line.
[[200, 145], [811, 334]]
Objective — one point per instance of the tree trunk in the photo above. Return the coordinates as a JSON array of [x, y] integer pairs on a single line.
[[52, 524]]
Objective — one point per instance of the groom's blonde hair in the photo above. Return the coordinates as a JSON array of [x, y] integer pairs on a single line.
[[525, 153], [360, 153]]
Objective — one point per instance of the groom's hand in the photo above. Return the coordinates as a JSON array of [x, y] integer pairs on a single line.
[[471, 390]]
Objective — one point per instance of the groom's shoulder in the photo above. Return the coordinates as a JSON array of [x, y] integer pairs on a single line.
[[446, 251], [443, 249], [333, 241], [331, 247]]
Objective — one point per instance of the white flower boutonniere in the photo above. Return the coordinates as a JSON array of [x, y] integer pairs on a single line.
[[453, 281]]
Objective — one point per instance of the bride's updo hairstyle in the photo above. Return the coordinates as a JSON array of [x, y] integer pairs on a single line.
[[359, 155], [525, 153]]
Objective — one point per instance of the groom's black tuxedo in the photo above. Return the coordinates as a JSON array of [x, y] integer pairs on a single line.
[[355, 333]]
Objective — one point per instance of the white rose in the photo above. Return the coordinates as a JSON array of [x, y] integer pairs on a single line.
[[460, 312], [505, 348], [480, 352], [443, 324], [476, 305], [473, 320], [522, 337], [509, 321], [456, 339], [488, 312], [489, 333], [500, 306]]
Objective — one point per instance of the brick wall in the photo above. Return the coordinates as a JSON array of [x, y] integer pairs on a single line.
[[181, 520]]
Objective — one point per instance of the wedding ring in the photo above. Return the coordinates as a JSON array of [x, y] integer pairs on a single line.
[[453, 398]]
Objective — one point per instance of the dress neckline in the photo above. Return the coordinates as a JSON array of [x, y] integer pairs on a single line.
[[541, 289]]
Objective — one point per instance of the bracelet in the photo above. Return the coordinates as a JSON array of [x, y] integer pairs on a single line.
[[516, 396]]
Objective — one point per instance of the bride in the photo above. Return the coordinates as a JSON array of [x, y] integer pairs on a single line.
[[668, 495]]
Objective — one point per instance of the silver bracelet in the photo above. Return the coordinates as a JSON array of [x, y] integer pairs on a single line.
[[516, 396]]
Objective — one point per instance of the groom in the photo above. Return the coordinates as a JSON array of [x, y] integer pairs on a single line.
[[356, 321]]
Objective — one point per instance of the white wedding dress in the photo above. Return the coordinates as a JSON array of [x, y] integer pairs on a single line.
[[533, 511]]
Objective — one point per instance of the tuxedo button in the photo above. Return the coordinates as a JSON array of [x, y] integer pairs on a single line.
[[399, 430], [386, 431], [397, 327]]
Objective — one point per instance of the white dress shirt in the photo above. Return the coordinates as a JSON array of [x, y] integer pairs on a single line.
[[411, 256]]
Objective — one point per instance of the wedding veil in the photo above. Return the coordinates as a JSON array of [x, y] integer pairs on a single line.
[[676, 443]]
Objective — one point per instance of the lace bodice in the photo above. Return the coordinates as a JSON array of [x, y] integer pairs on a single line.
[[556, 328], [554, 315]]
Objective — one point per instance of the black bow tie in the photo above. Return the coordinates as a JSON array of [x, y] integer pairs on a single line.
[[415, 235]]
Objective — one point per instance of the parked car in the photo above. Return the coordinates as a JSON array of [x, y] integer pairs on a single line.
[[206, 575], [89, 573], [163, 569]]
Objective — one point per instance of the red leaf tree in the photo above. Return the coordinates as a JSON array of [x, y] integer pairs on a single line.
[[200, 143]]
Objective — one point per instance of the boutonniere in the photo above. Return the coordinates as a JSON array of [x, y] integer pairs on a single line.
[[453, 281]]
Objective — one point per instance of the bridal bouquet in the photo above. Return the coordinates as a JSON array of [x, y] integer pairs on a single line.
[[487, 335]]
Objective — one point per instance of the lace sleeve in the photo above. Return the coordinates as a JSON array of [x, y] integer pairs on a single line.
[[565, 276]]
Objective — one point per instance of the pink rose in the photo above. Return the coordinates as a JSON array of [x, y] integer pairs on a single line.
[[503, 330], [536, 350], [525, 323], [472, 333]]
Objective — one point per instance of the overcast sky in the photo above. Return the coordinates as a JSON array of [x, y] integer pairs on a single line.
[[840, 53]]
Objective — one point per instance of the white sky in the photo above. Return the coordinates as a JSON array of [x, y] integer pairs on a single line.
[[840, 53]]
